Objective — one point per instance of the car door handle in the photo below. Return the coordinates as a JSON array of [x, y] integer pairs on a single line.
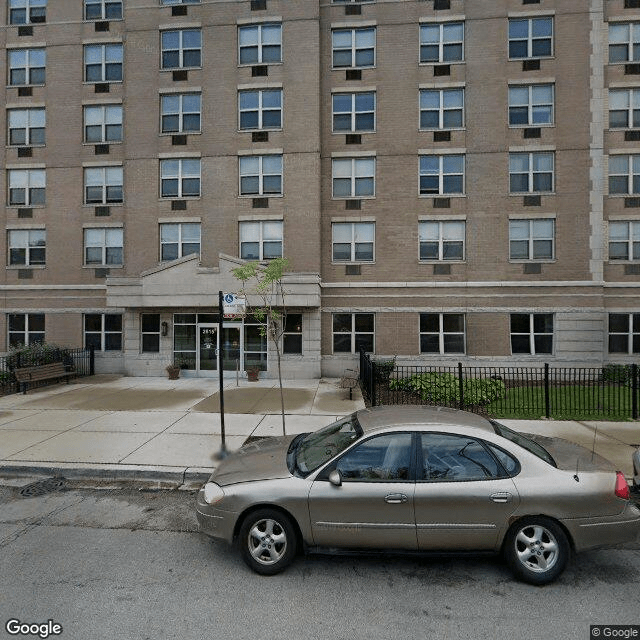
[[503, 496], [396, 498]]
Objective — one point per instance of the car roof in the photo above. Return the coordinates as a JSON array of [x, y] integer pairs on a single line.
[[375, 418]]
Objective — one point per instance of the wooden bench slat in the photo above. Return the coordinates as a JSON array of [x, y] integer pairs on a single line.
[[36, 373]]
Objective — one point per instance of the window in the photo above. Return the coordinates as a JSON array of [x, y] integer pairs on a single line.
[[292, 334], [531, 172], [150, 332], [181, 49], [353, 241], [532, 333], [442, 43], [624, 108], [441, 108], [26, 328], [27, 187], [103, 185], [530, 38], [103, 331], [179, 239], [624, 240], [103, 123], [354, 48], [27, 11], [442, 333], [169, 2], [103, 246], [261, 240], [180, 112], [624, 42], [449, 458], [442, 239], [624, 333], [180, 178], [261, 175], [531, 105], [352, 331], [624, 174], [260, 109], [441, 175], [103, 9], [260, 44], [354, 111], [531, 239], [103, 62], [27, 247], [353, 177], [384, 458], [26, 127], [26, 66]]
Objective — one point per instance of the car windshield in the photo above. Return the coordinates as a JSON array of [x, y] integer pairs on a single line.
[[320, 446], [524, 442]]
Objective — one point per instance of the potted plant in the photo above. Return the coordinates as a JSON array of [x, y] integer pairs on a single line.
[[253, 373], [174, 371]]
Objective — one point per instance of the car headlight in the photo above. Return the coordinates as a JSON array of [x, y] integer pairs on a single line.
[[213, 493]]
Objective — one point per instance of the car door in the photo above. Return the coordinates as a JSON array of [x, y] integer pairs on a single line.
[[373, 507], [464, 495]]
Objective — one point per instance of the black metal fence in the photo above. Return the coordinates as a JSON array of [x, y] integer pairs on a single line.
[[518, 392], [80, 361]]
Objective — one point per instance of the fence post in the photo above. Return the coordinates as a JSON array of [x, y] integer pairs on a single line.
[[634, 391], [460, 385], [547, 399], [92, 360]]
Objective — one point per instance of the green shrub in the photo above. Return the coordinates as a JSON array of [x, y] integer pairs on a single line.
[[618, 373], [35, 354]]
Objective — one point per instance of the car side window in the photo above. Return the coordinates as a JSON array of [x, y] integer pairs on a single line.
[[450, 458], [510, 464], [384, 458]]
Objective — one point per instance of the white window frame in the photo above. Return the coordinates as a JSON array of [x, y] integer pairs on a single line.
[[31, 336], [181, 50], [260, 43], [443, 173], [531, 173], [105, 50], [246, 172], [631, 110], [356, 230], [260, 109], [532, 334], [29, 66], [442, 109], [449, 232], [353, 112], [532, 104], [355, 170], [442, 41], [107, 238], [353, 333], [106, 7], [108, 115], [632, 333], [181, 112], [534, 234], [630, 41], [631, 174], [29, 241], [29, 115], [104, 178], [35, 11], [530, 38], [297, 332], [181, 175], [103, 332], [442, 333], [29, 180], [181, 240], [355, 34], [264, 229], [630, 239]]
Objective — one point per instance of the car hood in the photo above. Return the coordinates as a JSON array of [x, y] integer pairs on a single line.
[[264, 459], [570, 456]]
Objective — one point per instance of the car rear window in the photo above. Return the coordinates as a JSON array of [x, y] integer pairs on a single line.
[[524, 442]]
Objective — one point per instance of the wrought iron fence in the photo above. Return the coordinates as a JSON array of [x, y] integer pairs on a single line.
[[80, 361], [519, 392]]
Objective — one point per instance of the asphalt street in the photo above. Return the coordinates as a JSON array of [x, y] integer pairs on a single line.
[[129, 564]]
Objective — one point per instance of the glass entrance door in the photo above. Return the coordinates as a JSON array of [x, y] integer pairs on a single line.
[[207, 350], [232, 353]]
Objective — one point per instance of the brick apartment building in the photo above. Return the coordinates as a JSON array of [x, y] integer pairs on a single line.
[[451, 180]]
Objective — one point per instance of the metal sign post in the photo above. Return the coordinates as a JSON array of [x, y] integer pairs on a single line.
[[223, 447]]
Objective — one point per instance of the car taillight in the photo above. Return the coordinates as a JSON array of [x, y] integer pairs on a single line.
[[622, 488]]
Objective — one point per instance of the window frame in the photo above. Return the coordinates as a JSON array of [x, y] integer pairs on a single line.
[[632, 97], [442, 240], [28, 67], [632, 240], [106, 182], [31, 175], [632, 333], [31, 14], [442, 334], [103, 123], [531, 239], [353, 333], [181, 49], [297, 333], [531, 105], [530, 39], [353, 112], [629, 42], [146, 333], [181, 242], [104, 332], [260, 44], [35, 241], [104, 63], [353, 259], [180, 114], [441, 175], [28, 113], [631, 177], [180, 177], [103, 4], [260, 175], [244, 224], [104, 245], [532, 334], [442, 109], [260, 109], [354, 48], [354, 176], [531, 173], [28, 332], [441, 43]]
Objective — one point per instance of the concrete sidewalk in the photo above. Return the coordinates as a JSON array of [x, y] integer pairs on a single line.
[[114, 428]]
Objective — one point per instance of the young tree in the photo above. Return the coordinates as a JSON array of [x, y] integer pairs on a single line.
[[265, 282]]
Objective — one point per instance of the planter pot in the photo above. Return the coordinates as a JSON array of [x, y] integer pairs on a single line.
[[173, 372], [252, 375]]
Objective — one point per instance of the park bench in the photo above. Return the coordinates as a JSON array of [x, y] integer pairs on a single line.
[[39, 372], [349, 380]]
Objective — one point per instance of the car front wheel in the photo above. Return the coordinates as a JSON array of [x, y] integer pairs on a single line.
[[537, 550], [267, 541]]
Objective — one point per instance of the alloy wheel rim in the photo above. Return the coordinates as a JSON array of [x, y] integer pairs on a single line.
[[267, 541], [537, 548]]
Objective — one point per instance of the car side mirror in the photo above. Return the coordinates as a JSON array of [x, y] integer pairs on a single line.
[[335, 478]]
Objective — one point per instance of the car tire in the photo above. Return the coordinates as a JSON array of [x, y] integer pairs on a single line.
[[268, 541], [537, 550]]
